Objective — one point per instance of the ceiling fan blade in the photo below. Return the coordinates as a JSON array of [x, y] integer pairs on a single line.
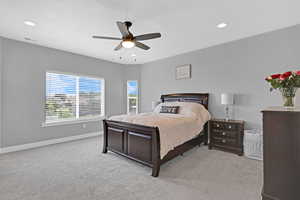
[[118, 47], [123, 29], [141, 45], [147, 36], [107, 38]]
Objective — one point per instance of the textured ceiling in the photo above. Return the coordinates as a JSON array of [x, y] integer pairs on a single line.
[[185, 25]]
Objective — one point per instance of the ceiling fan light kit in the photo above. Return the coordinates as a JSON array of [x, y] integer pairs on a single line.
[[128, 44], [128, 40]]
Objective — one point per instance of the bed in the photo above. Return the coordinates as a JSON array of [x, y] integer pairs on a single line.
[[130, 137]]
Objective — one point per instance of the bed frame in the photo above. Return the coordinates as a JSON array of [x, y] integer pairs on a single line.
[[142, 143]]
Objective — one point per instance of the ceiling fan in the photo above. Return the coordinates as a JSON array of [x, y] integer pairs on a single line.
[[128, 40]]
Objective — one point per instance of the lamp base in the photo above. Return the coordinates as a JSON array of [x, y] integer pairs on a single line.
[[227, 113]]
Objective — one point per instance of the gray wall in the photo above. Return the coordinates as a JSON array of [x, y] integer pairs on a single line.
[[1, 91], [238, 67], [23, 90]]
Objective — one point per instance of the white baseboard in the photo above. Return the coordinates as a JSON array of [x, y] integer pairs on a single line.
[[47, 142]]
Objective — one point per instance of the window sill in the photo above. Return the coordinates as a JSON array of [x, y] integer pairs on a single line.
[[75, 121]]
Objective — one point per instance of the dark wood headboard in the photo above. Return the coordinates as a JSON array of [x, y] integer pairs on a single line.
[[201, 98]]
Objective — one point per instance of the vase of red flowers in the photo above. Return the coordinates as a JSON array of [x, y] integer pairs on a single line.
[[287, 83]]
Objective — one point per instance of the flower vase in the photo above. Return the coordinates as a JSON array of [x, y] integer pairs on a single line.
[[288, 95]]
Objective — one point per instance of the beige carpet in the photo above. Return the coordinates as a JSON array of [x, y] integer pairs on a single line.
[[78, 171]]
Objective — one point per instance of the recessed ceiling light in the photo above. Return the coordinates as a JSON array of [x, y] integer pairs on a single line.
[[133, 55], [221, 25], [29, 23]]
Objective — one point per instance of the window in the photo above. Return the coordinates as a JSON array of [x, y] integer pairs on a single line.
[[132, 97], [70, 97]]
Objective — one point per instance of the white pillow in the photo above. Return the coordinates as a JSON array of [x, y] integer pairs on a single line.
[[188, 109]]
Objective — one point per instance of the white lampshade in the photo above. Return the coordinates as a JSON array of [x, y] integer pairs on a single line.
[[154, 104], [227, 99]]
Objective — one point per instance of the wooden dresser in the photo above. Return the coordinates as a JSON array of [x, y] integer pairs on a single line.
[[281, 154], [226, 135]]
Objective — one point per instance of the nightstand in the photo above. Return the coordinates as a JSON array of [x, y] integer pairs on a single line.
[[226, 135]]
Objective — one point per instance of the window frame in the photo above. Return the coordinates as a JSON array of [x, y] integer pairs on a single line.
[[137, 96], [79, 119]]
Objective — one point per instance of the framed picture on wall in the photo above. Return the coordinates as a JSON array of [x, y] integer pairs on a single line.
[[183, 72]]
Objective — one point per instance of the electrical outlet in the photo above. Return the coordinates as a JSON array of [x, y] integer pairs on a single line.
[[83, 125]]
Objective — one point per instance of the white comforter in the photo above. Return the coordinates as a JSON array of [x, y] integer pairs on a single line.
[[175, 129]]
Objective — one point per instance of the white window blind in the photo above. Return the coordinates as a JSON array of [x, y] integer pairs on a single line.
[[72, 97]]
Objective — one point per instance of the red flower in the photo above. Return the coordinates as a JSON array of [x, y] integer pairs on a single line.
[[297, 73], [275, 76], [285, 75]]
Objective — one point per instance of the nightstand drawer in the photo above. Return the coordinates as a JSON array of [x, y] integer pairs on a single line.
[[224, 133], [224, 141], [224, 126]]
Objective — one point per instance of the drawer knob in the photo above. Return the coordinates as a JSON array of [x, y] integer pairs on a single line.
[[229, 126], [223, 141], [218, 125], [224, 133]]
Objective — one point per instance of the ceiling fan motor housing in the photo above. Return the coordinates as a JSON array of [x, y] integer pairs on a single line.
[[128, 24], [128, 37]]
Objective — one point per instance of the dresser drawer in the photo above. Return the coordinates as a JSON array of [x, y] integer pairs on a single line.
[[224, 133], [224, 126], [224, 141]]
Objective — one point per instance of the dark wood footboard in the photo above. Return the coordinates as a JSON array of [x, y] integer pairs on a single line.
[[142, 143], [136, 142]]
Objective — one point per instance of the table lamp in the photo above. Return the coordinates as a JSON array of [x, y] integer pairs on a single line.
[[227, 99]]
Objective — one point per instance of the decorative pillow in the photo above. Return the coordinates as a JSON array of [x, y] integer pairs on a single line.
[[169, 109], [189, 109]]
